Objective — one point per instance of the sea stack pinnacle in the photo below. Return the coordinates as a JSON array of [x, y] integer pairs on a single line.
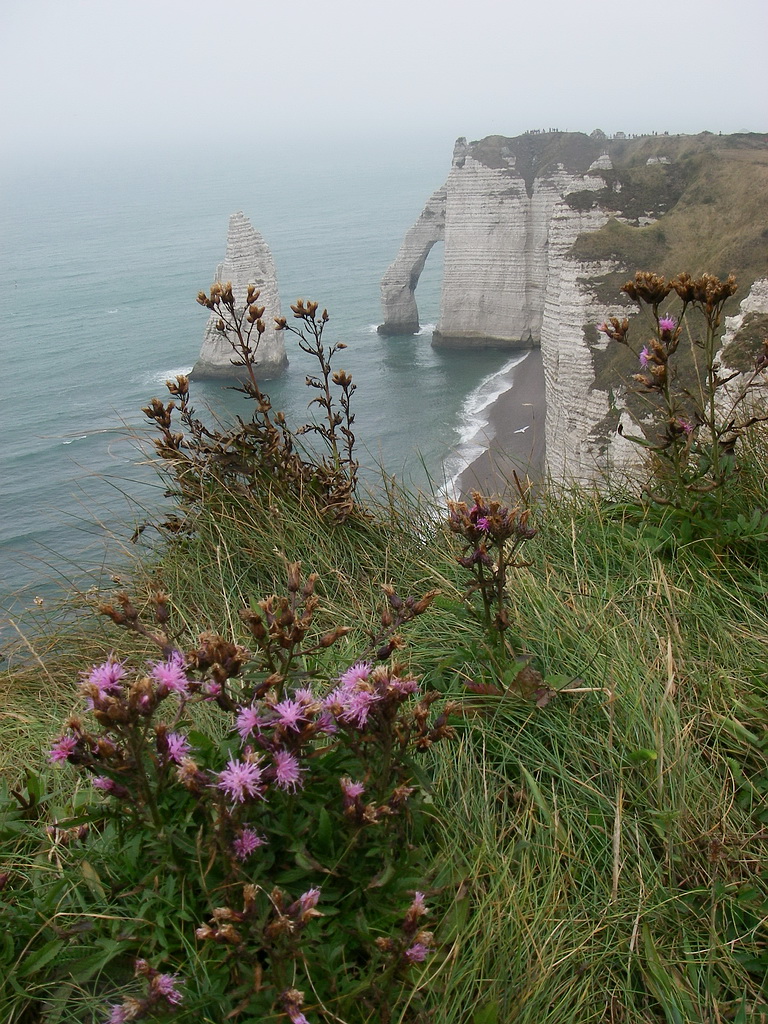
[[248, 262]]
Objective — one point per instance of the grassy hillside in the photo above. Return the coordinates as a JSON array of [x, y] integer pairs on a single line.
[[708, 197], [598, 856], [711, 205], [334, 759]]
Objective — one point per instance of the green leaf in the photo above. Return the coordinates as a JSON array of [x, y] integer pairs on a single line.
[[324, 830], [643, 755], [91, 879], [642, 441], [384, 876], [738, 731], [488, 1014], [36, 961]]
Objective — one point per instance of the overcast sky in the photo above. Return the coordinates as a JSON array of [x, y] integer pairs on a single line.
[[84, 74]]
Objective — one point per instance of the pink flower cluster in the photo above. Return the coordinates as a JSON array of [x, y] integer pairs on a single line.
[[162, 989], [104, 686], [274, 732], [171, 676], [246, 843], [119, 702], [363, 690]]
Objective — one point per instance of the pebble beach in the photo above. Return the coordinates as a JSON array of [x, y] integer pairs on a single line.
[[515, 434]]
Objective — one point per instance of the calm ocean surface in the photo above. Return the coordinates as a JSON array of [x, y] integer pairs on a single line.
[[100, 262]]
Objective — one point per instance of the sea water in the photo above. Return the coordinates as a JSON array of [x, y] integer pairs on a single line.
[[101, 258]]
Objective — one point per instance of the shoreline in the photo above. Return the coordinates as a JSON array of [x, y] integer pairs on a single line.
[[516, 425]]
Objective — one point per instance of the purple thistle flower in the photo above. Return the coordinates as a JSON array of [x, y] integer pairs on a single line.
[[418, 907], [303, 909], [351, 789], [483, 524], [403, 686], [667, 323], [103, 681], [171, 674], [291, 714], [685, 426], [355, 674], [358, 706], [287, 771], [334, 701], [246, 843], [118, 1014], [324, 723], [241, 779], [309, 900], [164, 985], [304, 695], [297, 1017], [417, 953], [248, 722], [62, 748], [178, 746], [645, 356], [106, 678], [107, 785]]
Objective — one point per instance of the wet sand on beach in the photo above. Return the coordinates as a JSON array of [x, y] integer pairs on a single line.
[[516, 434]]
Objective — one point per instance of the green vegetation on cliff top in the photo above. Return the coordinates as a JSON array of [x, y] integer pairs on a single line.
[[709, 202], [600, 858]]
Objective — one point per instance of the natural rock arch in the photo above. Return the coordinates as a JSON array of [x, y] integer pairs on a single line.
[[398, 286]]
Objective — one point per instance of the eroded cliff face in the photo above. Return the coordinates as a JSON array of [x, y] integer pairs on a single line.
[[540, 233], [583, 443], [745, 332], [497, 249], [248, 261], [576, 451], [494, 213], [398, 286]]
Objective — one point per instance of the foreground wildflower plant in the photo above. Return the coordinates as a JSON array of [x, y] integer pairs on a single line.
[[264, 449], [696, 420], [491, 534], [303, 804], [163, 992]]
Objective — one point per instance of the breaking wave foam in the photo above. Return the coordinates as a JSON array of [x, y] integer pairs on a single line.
[[161, 376], [474, 430]]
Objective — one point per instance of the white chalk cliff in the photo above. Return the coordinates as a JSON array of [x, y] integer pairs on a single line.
[[398, 286], [742, 344], [507, 279], [495, 214], [248, 261], [514, 215]]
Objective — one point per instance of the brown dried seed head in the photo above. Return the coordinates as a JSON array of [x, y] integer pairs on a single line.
[[648, 287], [111, 612], [336, 634], [683, 285]]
